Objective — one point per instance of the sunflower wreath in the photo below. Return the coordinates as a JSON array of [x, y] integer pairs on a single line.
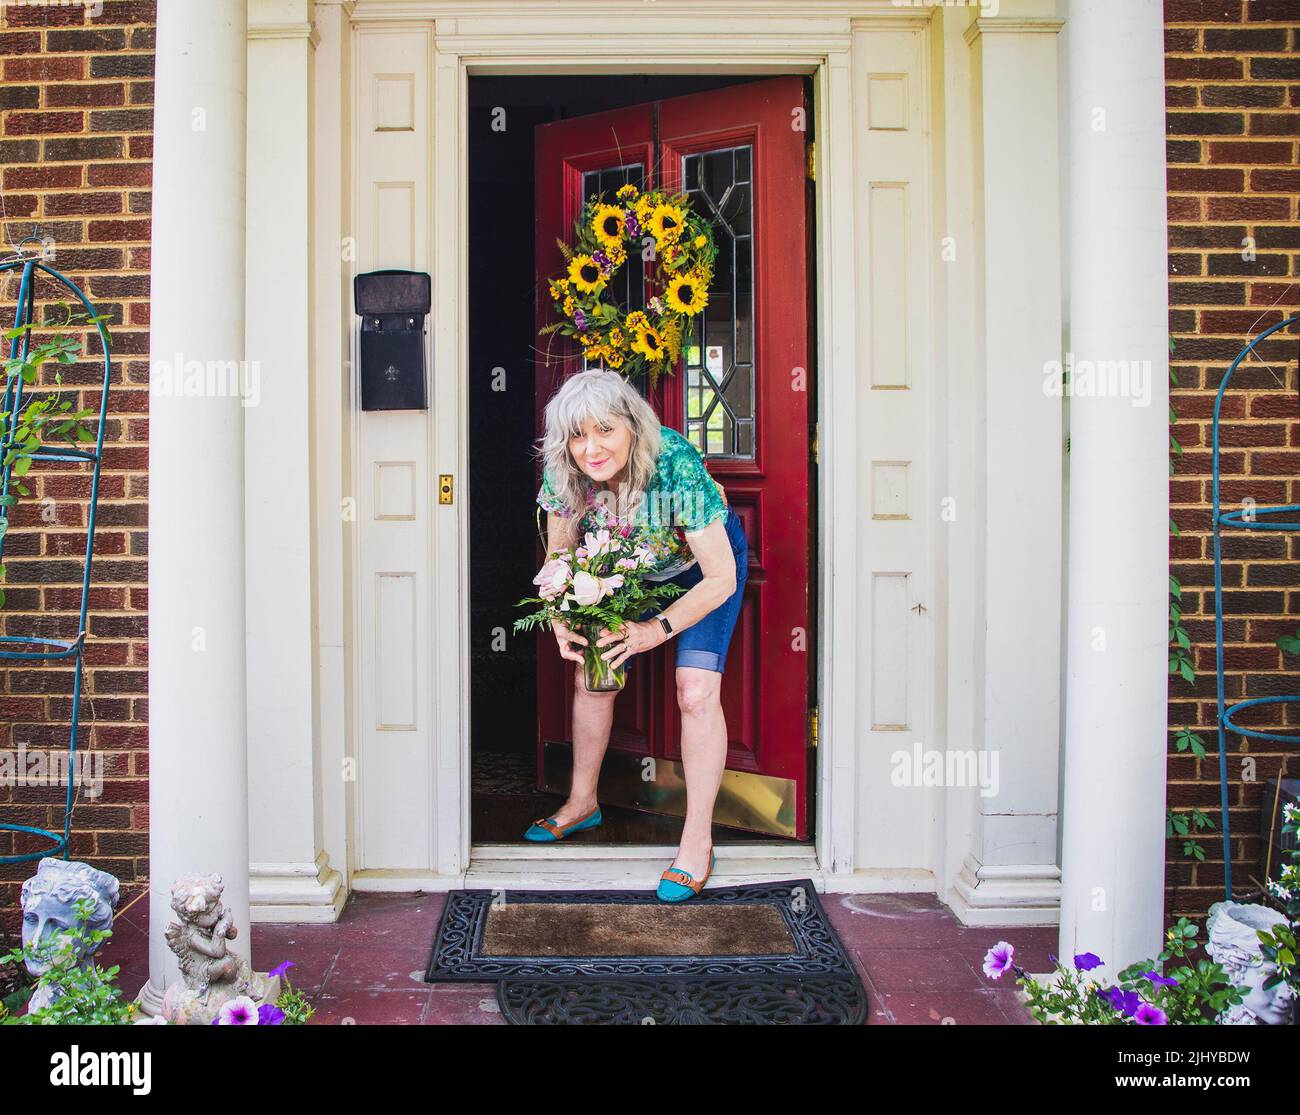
[[679, 269]]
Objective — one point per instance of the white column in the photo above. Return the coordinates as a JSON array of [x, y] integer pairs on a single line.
[[198, 786], [1010, 874], [291, 876], [1113, 839]]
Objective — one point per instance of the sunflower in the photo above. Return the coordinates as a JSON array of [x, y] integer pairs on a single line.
[[617, 254], [637, 320], [616, 338], [687, 294], [625, 192], [643, 207], [614, 359], [649, 343], [666, 224], [607, 224], [584, 273]]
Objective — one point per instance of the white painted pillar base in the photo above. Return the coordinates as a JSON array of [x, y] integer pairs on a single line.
[[1114, 827], [198, 783]]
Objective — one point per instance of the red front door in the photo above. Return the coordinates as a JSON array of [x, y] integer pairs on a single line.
[[740, 394]]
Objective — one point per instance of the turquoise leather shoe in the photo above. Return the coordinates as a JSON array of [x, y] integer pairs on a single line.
[[676, 885], [544, 830]]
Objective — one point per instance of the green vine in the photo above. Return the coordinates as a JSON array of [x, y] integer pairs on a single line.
[[42, 418], [1182, 823]]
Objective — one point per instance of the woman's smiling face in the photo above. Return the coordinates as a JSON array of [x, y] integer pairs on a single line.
[[602, 449]]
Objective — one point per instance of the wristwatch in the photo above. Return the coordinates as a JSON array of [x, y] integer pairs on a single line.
[[663, 621]]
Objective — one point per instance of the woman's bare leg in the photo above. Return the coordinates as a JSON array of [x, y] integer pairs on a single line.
[[593, 717], [704, 755]]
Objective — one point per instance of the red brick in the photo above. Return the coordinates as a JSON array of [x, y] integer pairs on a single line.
[[35, 177], [95, 95], [119, 174], [1217, 180], [43, 123], [85, 202], [1275, 181], [1248, 208], [1258, 151], [1274, 124], [1203, 69]]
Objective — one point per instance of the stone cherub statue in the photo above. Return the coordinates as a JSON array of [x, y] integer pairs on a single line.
[[47, 902], [211, 974], [1235, 944]]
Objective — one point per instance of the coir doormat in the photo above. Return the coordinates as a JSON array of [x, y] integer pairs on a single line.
[[763, 953]]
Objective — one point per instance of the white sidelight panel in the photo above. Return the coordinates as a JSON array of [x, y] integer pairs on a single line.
[[394, 493], [894, 437]]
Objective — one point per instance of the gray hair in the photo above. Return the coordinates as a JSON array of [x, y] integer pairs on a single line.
[[600, 394]]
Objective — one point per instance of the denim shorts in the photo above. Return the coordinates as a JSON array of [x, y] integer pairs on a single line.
[[704, 644]]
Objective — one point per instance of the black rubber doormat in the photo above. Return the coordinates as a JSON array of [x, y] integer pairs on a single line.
[[575, 973]]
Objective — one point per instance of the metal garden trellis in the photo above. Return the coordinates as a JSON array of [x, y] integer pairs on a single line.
[[51, 650], [1254, 518]]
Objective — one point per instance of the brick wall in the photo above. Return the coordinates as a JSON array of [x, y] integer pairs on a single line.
[[76, 119], [1232, 75]]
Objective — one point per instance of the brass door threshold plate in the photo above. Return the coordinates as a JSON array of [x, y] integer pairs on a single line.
[[753, 802]]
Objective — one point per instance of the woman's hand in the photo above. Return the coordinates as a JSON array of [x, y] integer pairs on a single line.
[[632, 638], [566, 637]]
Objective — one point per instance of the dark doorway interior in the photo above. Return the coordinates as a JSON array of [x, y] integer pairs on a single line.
[[502, 485]]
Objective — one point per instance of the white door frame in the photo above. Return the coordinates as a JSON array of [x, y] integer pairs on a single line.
[[670, 37]]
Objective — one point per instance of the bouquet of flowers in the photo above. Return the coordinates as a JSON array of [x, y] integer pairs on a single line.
[[596, 585]]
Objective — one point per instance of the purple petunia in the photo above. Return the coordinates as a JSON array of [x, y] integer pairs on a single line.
[[1147, 1015], [280, 969], [1124, 1002], [239, 1011], [1087, 961], [268, 1014], [1159, 980], [998, 959]]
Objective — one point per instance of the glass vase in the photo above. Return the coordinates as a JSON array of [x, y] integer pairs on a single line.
[[598, 675]]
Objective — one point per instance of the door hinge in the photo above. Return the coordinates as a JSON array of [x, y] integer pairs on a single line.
[[815, 445], [813, 726], [812, 160]]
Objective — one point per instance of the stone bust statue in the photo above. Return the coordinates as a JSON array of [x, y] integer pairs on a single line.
[[47, 902], [1235, 944]]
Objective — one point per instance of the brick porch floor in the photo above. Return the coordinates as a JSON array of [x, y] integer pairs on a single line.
[[918, 963]]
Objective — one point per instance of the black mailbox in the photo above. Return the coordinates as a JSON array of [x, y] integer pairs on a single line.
[[392, 306]]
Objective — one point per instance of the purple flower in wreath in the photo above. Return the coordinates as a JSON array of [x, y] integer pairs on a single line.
[[1147, 1015], [631, 224], [1087, 961], [580, 320], [603, 262]]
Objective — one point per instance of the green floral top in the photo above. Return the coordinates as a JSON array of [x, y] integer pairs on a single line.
[[682, 497]]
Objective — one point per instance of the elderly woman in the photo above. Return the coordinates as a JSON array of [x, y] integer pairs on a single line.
[[606, 455]]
